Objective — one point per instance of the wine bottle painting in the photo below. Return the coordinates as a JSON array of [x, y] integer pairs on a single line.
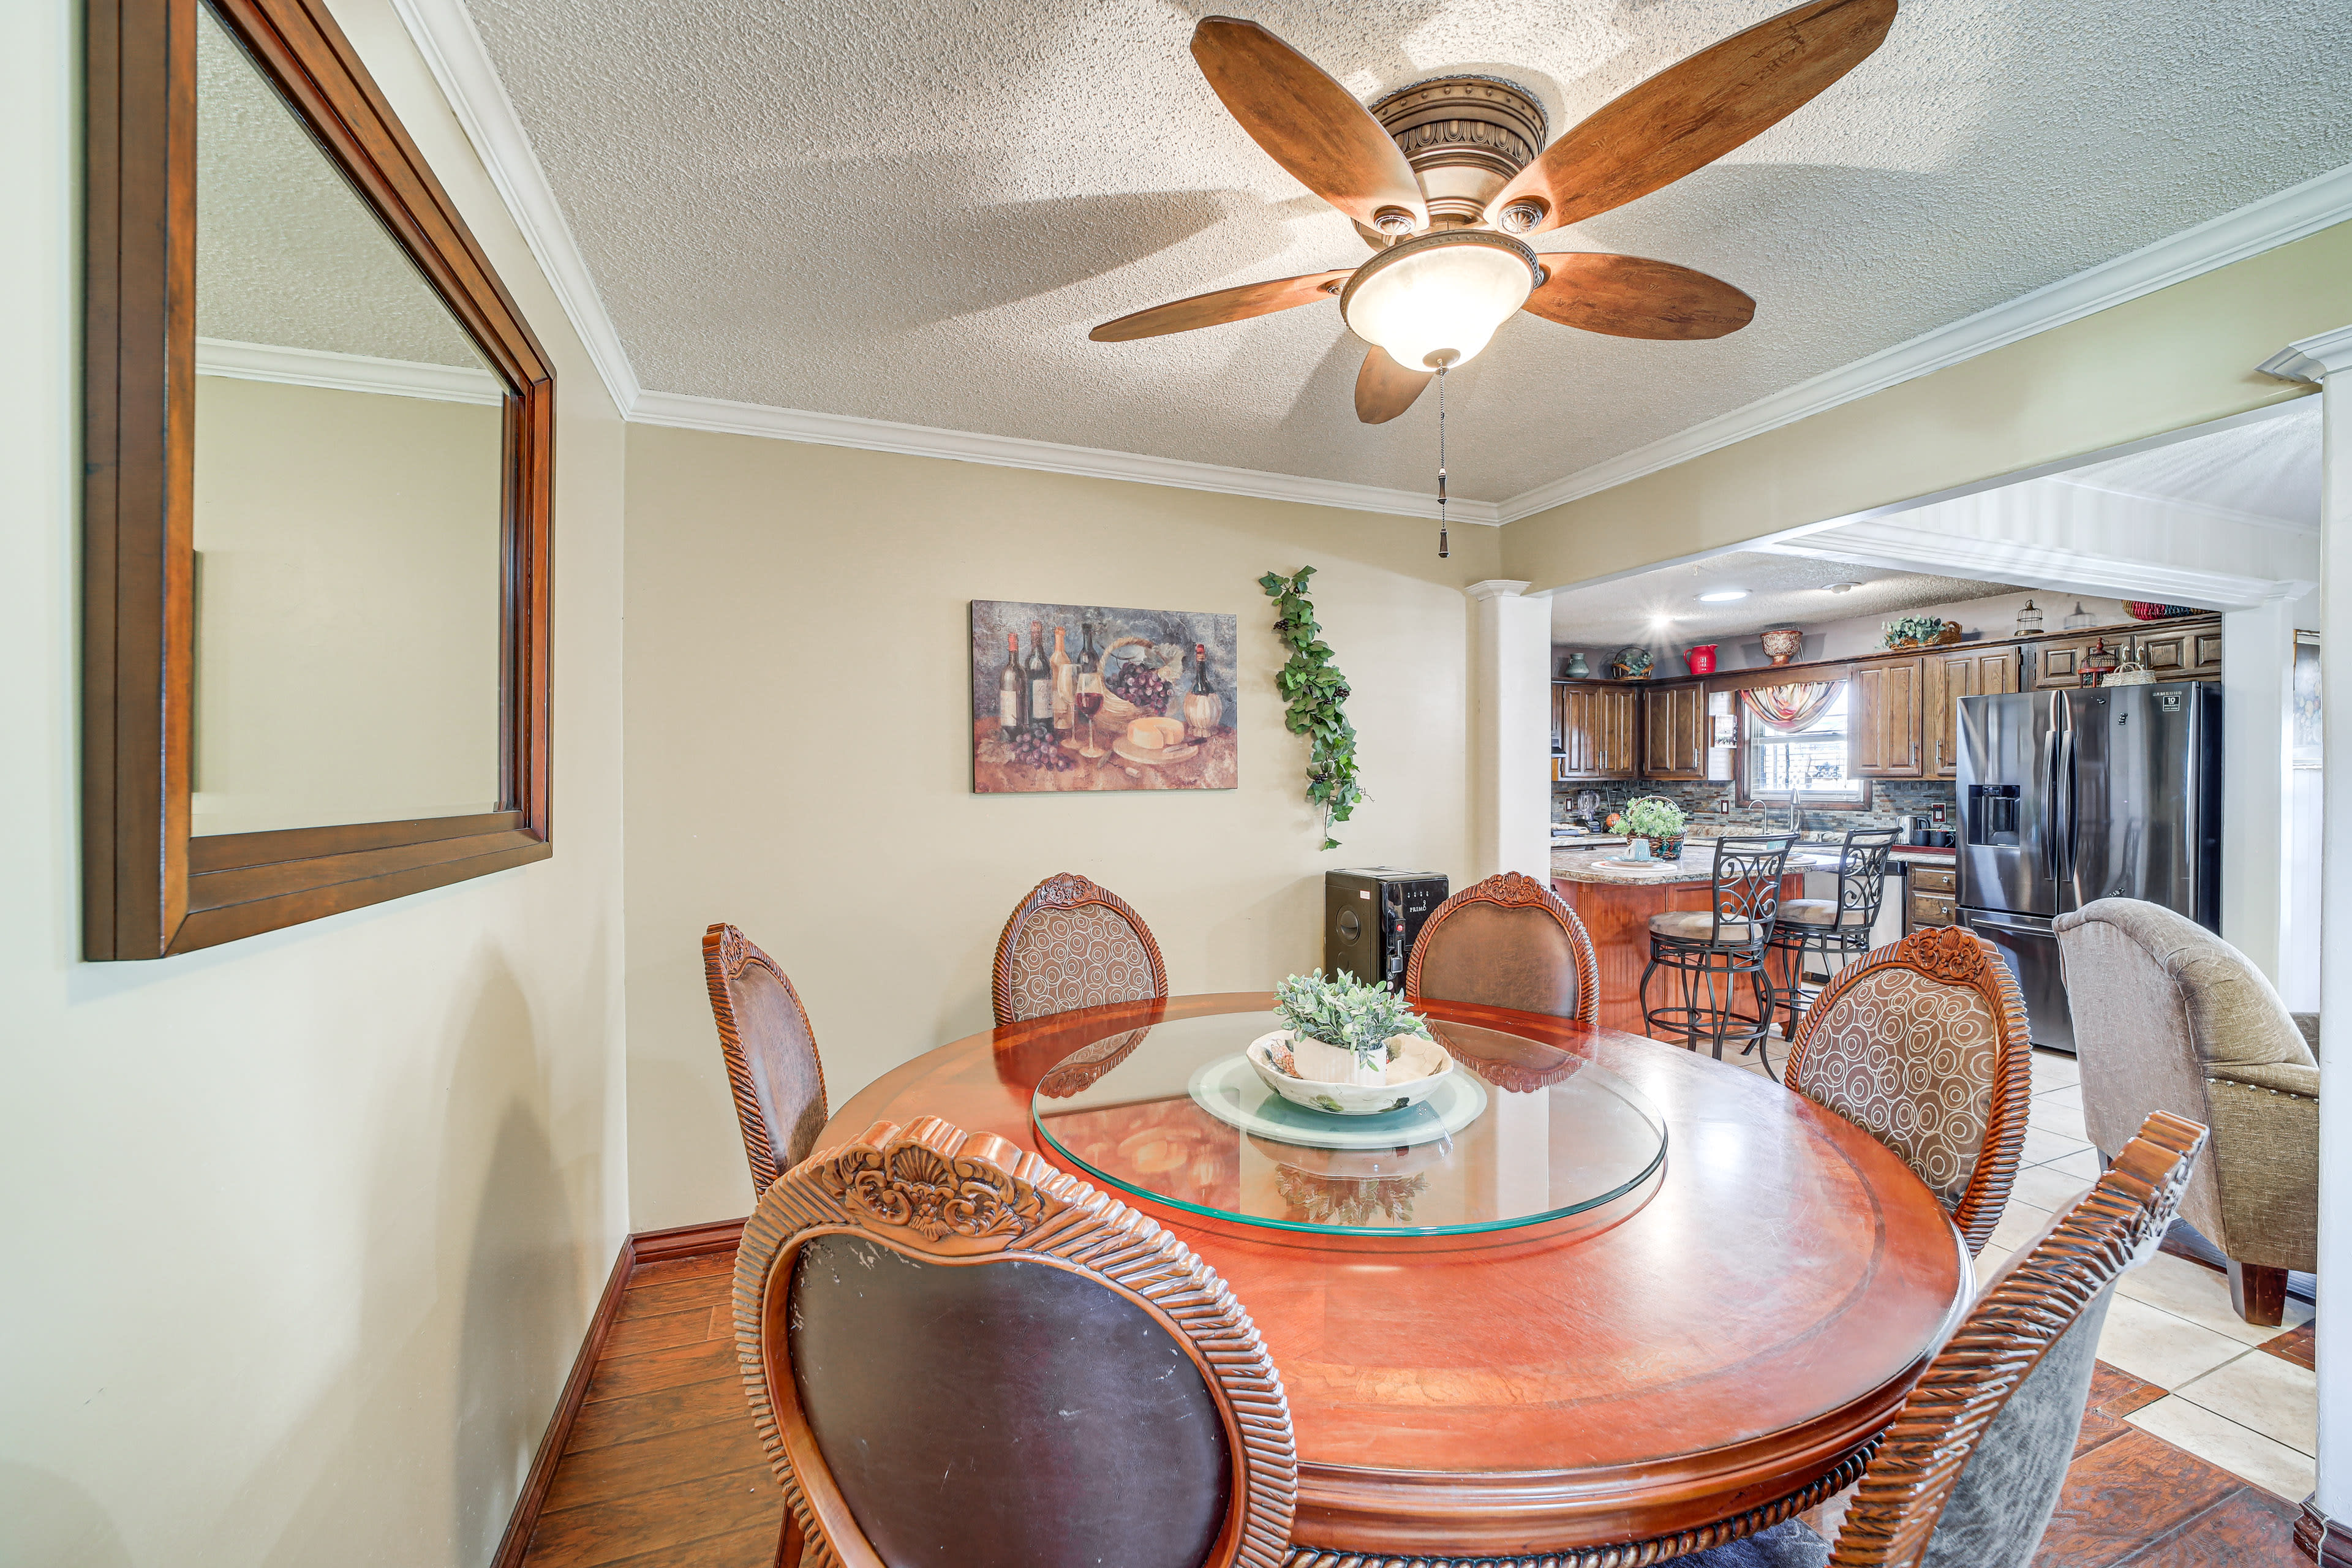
[[1091, 696]]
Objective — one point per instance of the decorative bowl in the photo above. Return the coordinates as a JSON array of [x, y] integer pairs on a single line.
[[1783, 644], [1426, 1060]]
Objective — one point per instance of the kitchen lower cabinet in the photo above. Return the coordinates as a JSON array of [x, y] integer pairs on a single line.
[[1949, 678], [1935, 893], [1883, 720]]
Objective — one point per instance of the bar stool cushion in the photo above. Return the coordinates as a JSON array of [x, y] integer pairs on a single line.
[[1698, 925], [1818, 912]]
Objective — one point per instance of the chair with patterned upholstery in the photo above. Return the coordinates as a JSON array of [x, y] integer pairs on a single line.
[[772, 1061], [1509, 941], [1922, 1046], [1070, 944], [955, 1353], [1971, 1471]]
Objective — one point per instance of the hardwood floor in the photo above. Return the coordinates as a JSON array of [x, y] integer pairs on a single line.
[[663, 1471]]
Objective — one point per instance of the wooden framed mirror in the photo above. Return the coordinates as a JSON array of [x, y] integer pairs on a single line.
[[317, 441]]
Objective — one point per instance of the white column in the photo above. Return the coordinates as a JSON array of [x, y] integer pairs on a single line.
[[2257, 734], [1511, 731], [2328, 361]]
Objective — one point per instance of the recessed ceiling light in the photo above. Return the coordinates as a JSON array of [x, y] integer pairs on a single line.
[[1722, 596], [1662, 620], [1840, 587]]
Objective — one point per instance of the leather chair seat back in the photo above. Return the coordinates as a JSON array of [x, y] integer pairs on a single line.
[[1005, 1414], [1521, 958]]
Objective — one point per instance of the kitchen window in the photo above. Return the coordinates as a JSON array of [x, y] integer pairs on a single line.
[[1807, 762]]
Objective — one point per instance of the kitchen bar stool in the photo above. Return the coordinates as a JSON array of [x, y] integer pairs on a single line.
[[1721, 943], [1838, 928]]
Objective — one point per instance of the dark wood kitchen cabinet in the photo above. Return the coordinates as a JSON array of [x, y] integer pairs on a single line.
[[1674, 732], [1883, 720], [1949, 678], [1596, 731]]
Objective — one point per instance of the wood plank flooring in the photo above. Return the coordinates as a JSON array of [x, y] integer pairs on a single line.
[[663, 1469]]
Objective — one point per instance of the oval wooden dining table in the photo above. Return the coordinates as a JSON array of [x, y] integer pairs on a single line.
[[1714, 1349]]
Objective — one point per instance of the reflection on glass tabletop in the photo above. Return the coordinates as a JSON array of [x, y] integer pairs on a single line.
[[1557, 1135]]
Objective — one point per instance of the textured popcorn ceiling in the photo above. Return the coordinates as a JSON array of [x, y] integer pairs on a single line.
[[1782, 590], [914, 209], [286, 252]]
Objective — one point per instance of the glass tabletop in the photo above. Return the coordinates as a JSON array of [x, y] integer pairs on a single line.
[[1533, 1132]]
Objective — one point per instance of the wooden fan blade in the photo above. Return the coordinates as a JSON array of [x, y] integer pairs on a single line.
[[1385, 389], [1225, 305], [1690, 114], [1307, 122], [1633, 296]]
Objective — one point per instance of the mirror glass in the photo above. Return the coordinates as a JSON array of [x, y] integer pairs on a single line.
[[349, 506]]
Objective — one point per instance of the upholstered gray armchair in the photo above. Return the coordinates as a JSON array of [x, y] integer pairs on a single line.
[[2168, 1016]]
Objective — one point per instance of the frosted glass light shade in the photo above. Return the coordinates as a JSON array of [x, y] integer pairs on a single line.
[[1443, 293]]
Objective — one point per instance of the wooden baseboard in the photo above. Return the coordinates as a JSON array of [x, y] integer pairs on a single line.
[[636, 1251], [2322, 1539]]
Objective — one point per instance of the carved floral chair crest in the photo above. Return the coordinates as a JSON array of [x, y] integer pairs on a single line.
[[1073, 943], [1923, 1045], [1477, 947], [924, 1301]]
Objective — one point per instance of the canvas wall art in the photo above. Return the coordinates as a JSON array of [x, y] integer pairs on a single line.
[[1091, 696]]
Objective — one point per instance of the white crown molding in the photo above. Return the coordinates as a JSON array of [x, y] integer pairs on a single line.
[[452, 48], [2274, 221], [2313, 359], [1908, 547], [1018, 452], [347, 372], [1496, 588]]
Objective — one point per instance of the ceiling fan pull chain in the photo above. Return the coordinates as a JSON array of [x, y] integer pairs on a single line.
[[1442, 551]]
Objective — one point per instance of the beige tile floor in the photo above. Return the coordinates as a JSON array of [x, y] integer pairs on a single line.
[[2229, 1404]]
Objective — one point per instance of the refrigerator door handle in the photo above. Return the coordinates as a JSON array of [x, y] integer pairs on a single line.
[[2057, 794]]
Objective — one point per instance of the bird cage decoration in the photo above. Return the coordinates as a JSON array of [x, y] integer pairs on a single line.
[[2029, 620]]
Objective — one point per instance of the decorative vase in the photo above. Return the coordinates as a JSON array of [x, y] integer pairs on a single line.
[[1576, 669], [1702, 659], [1783, 644], [1665, 845]]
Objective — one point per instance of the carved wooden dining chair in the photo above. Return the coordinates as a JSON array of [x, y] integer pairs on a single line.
[[1922, 1046], [1073, 943], [1508, 941], [956, 1354], [1969, 1473], [771, 1060]]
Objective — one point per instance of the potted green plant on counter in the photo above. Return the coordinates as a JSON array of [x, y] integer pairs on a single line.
[[1656, 819], [1357, 1021]]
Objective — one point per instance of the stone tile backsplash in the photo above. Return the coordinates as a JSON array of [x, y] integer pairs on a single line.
[[1888, 799]]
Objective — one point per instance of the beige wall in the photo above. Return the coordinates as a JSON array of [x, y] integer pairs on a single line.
[[799, 753], [301, 1232], [2180, 356], [347, 606]]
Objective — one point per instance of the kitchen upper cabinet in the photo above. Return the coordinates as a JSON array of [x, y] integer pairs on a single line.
[[2172, 650], [1949, 678], [1674, 732], [1883, 720], [1598, 730]]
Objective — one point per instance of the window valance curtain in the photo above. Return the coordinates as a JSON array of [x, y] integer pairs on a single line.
[[1791, 707]]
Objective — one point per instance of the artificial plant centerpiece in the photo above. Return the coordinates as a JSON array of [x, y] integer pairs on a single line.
[[1921, 631], [1343, 1029], [1657, 819]]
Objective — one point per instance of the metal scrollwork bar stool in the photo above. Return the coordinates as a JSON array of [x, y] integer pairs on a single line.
[[1717, 946], [1837, 928]]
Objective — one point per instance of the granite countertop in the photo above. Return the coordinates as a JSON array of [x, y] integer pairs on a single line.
[[1584, 865]]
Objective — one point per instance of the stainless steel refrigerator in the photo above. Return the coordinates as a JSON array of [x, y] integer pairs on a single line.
[[2072, 795]]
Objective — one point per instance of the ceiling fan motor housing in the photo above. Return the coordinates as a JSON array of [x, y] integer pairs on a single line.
[[1464, 136]]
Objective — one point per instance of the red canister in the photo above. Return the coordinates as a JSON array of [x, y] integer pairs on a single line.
[[1702, 659]]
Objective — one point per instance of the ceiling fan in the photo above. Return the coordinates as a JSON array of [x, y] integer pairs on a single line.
[[1444, 177]]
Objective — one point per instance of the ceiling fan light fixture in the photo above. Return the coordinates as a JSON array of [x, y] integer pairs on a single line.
[[1434, 301]]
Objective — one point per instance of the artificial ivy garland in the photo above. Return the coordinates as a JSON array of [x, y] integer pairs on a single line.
[[1315, 690]]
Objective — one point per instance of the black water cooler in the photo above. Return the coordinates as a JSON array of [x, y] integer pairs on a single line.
[[1370, 917]]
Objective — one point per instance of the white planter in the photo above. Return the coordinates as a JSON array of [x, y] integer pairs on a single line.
[[1421, 1066]]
